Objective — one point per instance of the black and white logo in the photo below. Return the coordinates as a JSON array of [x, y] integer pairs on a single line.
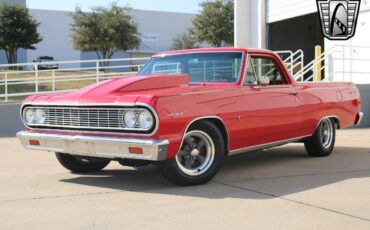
[[338, 18]]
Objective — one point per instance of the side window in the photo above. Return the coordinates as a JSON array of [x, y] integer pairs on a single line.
[[250, 77], [266, 67]]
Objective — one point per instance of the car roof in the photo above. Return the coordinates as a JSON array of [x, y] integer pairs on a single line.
[[206, 50]]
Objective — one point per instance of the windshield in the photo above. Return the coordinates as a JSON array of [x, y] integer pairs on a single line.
[[216, 67]]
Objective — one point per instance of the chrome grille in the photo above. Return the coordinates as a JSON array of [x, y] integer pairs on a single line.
[[98, 118]]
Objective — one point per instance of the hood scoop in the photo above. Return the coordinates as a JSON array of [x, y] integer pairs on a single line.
[[151, 82], [111, 90]]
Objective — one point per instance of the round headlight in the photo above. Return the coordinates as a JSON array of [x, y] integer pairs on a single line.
[[130, 119], [29, 116], [145, 120], [40, 116]]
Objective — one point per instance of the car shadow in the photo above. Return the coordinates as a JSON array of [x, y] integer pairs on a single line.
[[258, 175]]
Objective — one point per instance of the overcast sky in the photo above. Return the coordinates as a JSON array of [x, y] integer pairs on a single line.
[[184, 6]]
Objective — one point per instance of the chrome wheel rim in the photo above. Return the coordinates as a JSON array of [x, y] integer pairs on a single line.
[[326, 133], [196, 154]]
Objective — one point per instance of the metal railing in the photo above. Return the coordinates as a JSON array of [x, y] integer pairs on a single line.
[[19, 80], [294, 61], [340, 63]]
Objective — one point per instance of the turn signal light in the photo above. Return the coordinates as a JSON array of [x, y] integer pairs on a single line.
[[34, 142], [135, 150]]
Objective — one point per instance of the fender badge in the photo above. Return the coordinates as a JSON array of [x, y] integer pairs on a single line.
[[175, 114]]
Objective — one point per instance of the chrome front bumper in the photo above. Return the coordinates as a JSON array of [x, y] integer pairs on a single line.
[[102, 147]]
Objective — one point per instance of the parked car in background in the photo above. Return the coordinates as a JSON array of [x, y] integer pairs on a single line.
[[186, 111], [46, 62]]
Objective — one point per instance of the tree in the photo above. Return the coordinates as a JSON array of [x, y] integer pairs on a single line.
[[18, 29], [104, 30], [186, 40], [215, 23]]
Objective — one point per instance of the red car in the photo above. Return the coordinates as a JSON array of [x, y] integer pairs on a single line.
[[186, 111]]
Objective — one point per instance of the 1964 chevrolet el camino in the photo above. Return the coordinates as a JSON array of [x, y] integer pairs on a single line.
[[186, 111]]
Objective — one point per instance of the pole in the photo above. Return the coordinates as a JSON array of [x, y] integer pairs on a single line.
[[317, 68], [6, 86], [53, 80], [36, 78], [97, 71]]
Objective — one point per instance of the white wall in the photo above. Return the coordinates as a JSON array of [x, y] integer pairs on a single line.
[[250, 23], [158, 30], [283, 9], [358, 47], [55, 31]]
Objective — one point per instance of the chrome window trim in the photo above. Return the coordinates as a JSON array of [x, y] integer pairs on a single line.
[[248, 61], [94, 130], [266, 145]]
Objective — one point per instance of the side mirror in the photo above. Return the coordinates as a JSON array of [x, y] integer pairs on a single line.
[[264, 81]]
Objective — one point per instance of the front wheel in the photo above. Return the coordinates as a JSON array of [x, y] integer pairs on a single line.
[[321, 144], [79, 164], [199, 157]]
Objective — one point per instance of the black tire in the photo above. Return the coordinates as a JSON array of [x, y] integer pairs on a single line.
[[171, 168], [78, 164], [321, 144]]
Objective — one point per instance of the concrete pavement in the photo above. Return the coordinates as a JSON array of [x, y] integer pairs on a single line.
[[280, 188]]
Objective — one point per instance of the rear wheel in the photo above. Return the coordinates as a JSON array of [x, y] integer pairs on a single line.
[[321, 144], [199, 158], [81, 164]]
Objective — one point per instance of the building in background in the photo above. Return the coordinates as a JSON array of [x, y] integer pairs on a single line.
[[157, 29], [295, 24]]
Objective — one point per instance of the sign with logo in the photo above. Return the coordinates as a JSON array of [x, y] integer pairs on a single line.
[[150, 37], [338, 18]]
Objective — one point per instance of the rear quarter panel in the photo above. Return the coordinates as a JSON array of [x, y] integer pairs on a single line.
[[319, 100]]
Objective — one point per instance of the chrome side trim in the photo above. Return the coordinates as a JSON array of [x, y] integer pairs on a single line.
[[102, 147], [361, 115], [202, 118], [265, 146], [94, 104]]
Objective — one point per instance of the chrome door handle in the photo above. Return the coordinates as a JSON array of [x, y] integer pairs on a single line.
[[295, 93]]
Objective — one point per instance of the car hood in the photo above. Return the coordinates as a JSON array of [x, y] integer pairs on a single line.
[[121, 90]]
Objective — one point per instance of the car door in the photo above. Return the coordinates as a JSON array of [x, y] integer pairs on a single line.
[[271, 113]]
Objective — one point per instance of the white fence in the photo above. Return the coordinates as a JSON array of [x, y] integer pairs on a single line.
[[18, 80]]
